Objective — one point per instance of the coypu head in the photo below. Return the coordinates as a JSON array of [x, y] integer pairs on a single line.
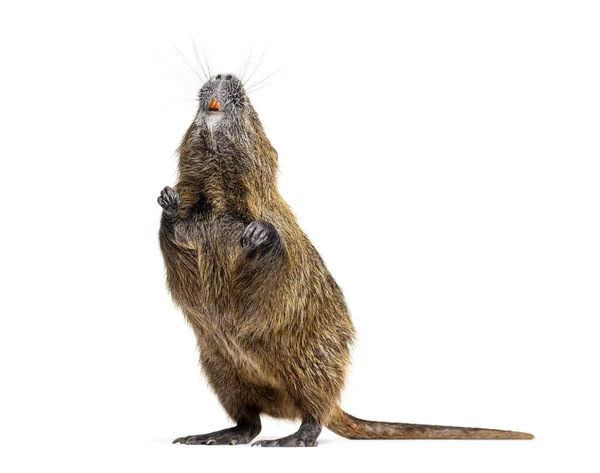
[[225, 115]]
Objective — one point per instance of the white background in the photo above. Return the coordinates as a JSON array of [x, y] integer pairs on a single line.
[[442, 156]]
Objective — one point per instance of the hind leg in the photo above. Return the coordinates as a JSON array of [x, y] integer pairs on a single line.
[[313, 386], [242, 400], [306, 436], [245, 430]]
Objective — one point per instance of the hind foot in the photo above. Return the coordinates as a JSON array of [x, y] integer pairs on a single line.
[[239, 434], [305, 437], [293, 440]]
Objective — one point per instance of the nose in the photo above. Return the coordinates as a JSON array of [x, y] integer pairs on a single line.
[[223, 76]]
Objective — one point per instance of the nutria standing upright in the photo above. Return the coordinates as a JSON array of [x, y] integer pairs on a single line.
[[271, 323]]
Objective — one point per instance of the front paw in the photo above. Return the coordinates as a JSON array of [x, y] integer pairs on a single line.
[[259, 234], [169, 201]]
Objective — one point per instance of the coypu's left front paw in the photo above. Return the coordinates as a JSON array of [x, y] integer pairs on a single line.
[[258, 235]]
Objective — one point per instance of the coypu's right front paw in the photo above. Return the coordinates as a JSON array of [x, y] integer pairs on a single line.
[[169, 201], [259, 234]]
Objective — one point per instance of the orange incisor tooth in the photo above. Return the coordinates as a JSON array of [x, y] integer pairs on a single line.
[[214, 104]]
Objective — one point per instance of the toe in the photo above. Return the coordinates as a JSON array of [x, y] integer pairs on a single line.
[[194, 440], [266, 443], [285, 442]]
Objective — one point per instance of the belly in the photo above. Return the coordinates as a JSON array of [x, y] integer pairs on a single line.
[[247, 363], [200, 270]]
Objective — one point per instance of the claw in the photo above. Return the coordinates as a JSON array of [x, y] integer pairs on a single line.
[[169, 200]]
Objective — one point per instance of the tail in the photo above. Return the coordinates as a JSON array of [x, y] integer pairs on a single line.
[[350, 427]]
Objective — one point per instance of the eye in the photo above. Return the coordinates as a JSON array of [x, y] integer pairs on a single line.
[[218, 77], [228, 77]]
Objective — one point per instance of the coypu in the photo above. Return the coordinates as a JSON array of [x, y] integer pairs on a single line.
[[271, 323]]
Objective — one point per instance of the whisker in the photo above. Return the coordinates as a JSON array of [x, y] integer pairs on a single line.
[[265, 78], [266, 84], [251, 91], [187, 62], [186, 79], [206, 61], [184, 99], [198, 61], [257, 65], [247, 61]]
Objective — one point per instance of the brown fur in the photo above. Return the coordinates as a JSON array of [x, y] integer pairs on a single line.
[[270, 321]]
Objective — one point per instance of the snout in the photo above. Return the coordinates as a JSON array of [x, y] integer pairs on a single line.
[[221, 93]]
